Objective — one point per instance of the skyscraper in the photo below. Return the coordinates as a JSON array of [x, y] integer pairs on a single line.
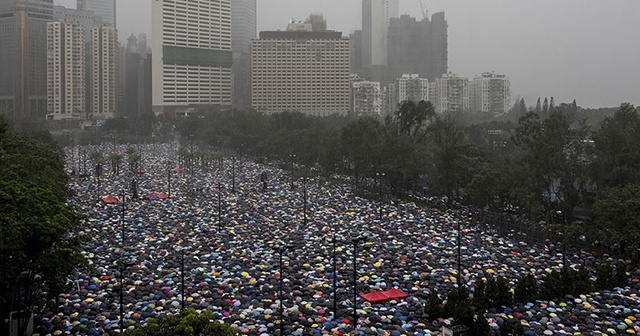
[[243, 29], [104, 72], [136, 81], [106, 9], [303, 71], [375, 23], [23, 57], [418, 47], [490, 93], [192, 55], [66, 70]]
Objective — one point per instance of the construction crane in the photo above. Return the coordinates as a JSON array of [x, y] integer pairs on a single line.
[[424, 11]]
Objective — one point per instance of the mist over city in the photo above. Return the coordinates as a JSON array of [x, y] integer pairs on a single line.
[[298, 167]]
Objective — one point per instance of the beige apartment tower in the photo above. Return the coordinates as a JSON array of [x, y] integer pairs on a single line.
[[303, 71], [104, 72], [66, 71]]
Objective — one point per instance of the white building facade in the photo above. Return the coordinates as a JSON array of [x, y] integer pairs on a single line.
[[303, 71], [409, 87], [366, 98], [192, 54], [450, 94], [490, 93], [66, 71], [104, 71]]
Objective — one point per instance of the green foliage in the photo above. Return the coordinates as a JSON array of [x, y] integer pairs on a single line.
[[492, 293], [609, 276], [187, 323], [434, 307], [526, 289], [617, 213], [34, 221]]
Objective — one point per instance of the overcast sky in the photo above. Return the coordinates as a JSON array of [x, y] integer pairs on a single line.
[[588, 50]]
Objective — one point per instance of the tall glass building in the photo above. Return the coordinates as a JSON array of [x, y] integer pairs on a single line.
[[243, 29], [23, 57], [106, 9]]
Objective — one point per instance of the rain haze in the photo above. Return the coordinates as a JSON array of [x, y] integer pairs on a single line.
[[573, 49]]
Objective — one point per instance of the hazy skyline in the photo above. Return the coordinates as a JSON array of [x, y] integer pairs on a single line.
[[572, 49]]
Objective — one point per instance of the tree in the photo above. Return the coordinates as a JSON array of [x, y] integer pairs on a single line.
[[545, 107], [617, 149], [557, 158], [617, 214], [34, 221], [538, 108], [526, 289], [187, 323]]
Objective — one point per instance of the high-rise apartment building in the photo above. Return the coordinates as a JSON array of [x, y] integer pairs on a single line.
[[376, 15], [303, 71], [105, 9], [192, 55], [490, 93], [450, 94], [104, 72], [243, 29], [418, 47], [66, 71], [366, 98], [408, 87], [87, 19], [23, 57]]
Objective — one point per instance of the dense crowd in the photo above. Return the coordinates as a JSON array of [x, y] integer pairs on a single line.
[[230, 235]]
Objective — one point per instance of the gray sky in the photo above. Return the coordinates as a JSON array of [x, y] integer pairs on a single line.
[[583, 49]]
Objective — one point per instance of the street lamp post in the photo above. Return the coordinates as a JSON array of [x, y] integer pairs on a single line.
[[564, 239], [182, 274], [233, 174], [292, 157], [380, 177], [219, 207], [304, 202], [355, 242], [122, 268], [459, 256], [281, 249], [169, 179], [335, 280]]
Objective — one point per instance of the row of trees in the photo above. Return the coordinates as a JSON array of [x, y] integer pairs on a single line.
[[536, 166], [36, 253]]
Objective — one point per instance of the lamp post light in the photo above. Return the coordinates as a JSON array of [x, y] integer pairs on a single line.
[[355, 242], [380, 177], [281, 249]]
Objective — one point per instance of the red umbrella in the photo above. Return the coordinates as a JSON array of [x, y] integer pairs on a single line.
[[178, 170], [110, 200], [140, 171]]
